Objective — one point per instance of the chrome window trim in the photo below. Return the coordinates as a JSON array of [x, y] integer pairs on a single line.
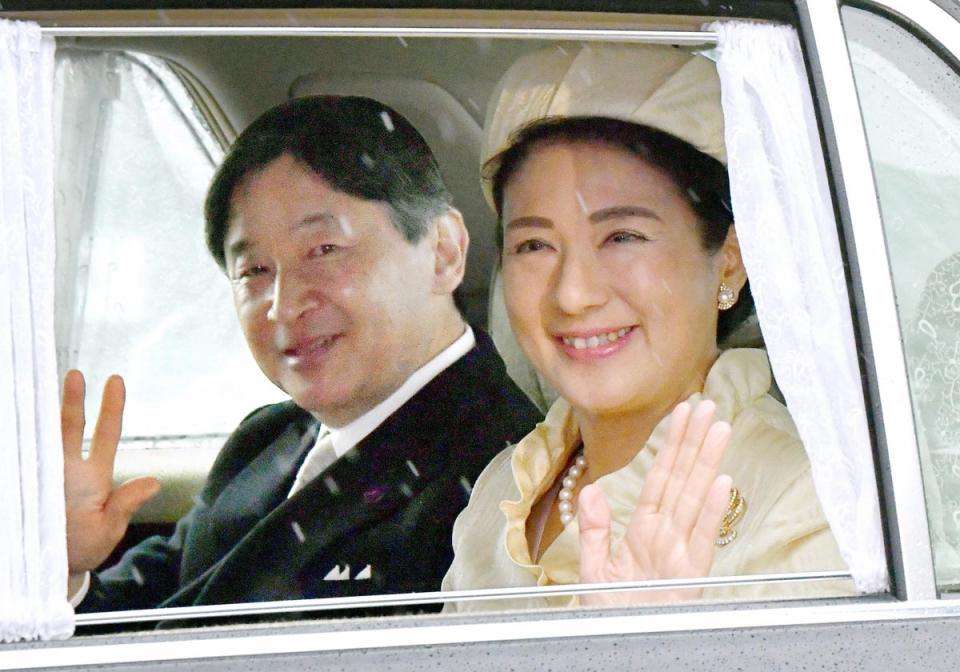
[[912, 573], [430, 632], [435, 597], [678, 37], [908, 520]]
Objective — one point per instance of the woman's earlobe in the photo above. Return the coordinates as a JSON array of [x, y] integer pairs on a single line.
[[726, 297], [733, 273]]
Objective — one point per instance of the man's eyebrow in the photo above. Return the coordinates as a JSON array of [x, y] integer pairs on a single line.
[[619, 211], [236, 248], [524, 222], [325, 218]]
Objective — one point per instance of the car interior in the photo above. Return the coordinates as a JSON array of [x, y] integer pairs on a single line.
[[213, 86]]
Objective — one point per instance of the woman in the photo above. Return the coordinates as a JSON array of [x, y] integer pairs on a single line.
[[621, 270]]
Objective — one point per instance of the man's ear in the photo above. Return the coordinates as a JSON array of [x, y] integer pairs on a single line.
[[450, 251], [732, 271]]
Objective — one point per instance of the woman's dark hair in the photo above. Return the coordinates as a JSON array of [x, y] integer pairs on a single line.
[[700, 179], [358, 145]]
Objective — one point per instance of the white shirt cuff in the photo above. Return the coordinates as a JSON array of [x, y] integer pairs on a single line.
[[81, 593]]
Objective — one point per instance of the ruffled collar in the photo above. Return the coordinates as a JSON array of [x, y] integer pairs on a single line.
[[736, 380]]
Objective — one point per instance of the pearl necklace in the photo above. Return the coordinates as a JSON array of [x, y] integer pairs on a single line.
[[565, 496]]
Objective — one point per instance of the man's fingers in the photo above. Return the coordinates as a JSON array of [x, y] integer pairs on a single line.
[[593, 517], [127, 498], [106, 435], [695, 491], [659, 475], [705, 532], [72, 420]]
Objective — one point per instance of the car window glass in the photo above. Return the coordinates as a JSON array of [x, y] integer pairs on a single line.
[[146, 298], [136, 291], [910, 100]]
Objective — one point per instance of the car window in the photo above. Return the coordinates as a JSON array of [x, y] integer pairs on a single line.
[[910, 100], [149, 302], [141, 294]]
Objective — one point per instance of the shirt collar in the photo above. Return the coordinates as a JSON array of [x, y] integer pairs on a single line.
[[346, 437]]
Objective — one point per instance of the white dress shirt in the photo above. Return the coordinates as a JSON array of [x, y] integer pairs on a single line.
[[346, 437]]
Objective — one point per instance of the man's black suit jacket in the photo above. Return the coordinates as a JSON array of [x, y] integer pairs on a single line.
[[378, 520]]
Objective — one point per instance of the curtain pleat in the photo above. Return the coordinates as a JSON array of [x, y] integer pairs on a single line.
[[33, 562], [788, 237]]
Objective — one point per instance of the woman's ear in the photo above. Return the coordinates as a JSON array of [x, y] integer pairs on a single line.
[[732, 271], [450, 251]]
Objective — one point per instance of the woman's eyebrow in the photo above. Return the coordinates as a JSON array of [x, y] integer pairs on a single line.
[[529, 221], [620, 211]]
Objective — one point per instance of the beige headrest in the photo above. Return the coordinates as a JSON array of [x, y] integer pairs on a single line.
[[660, 86]]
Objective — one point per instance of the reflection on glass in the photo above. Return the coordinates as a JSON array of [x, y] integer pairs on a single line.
[[910, 100]]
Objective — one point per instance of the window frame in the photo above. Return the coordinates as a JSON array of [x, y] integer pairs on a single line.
[[913, 594], [935, 27], [887, 394]]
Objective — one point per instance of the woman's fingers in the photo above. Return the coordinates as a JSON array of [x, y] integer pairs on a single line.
[[700, 422], [659, 474], [704, 535], [692, 498], [593, 517], [672, 533], [72, 419]]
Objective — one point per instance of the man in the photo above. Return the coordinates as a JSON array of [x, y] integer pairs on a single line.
[[334, 227]]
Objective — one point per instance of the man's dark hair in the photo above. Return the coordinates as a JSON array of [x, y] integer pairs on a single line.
[[359, 146], [700, 179]]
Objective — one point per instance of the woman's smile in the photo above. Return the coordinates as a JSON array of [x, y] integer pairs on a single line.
[[596, 343], [606, 280]]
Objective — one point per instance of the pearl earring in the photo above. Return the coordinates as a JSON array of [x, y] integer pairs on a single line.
[[726, 297]]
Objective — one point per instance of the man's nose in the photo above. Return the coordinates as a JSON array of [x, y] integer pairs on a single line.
[[580, 282], [291, 296]]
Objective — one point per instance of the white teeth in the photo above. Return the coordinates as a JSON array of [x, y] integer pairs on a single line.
[[311, 347], [594, 341]]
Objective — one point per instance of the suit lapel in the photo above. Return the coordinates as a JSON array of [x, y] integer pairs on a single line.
[[278, 558], [247, 498]]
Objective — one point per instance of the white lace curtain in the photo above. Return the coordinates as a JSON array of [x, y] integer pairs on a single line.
[[788, 236], [33, 562], [88, 83]]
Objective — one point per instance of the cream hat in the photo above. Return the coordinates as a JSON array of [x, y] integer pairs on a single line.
[[660, 86]]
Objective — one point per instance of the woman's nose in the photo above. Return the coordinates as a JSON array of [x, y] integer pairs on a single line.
[[580, 283], [292, 295]]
